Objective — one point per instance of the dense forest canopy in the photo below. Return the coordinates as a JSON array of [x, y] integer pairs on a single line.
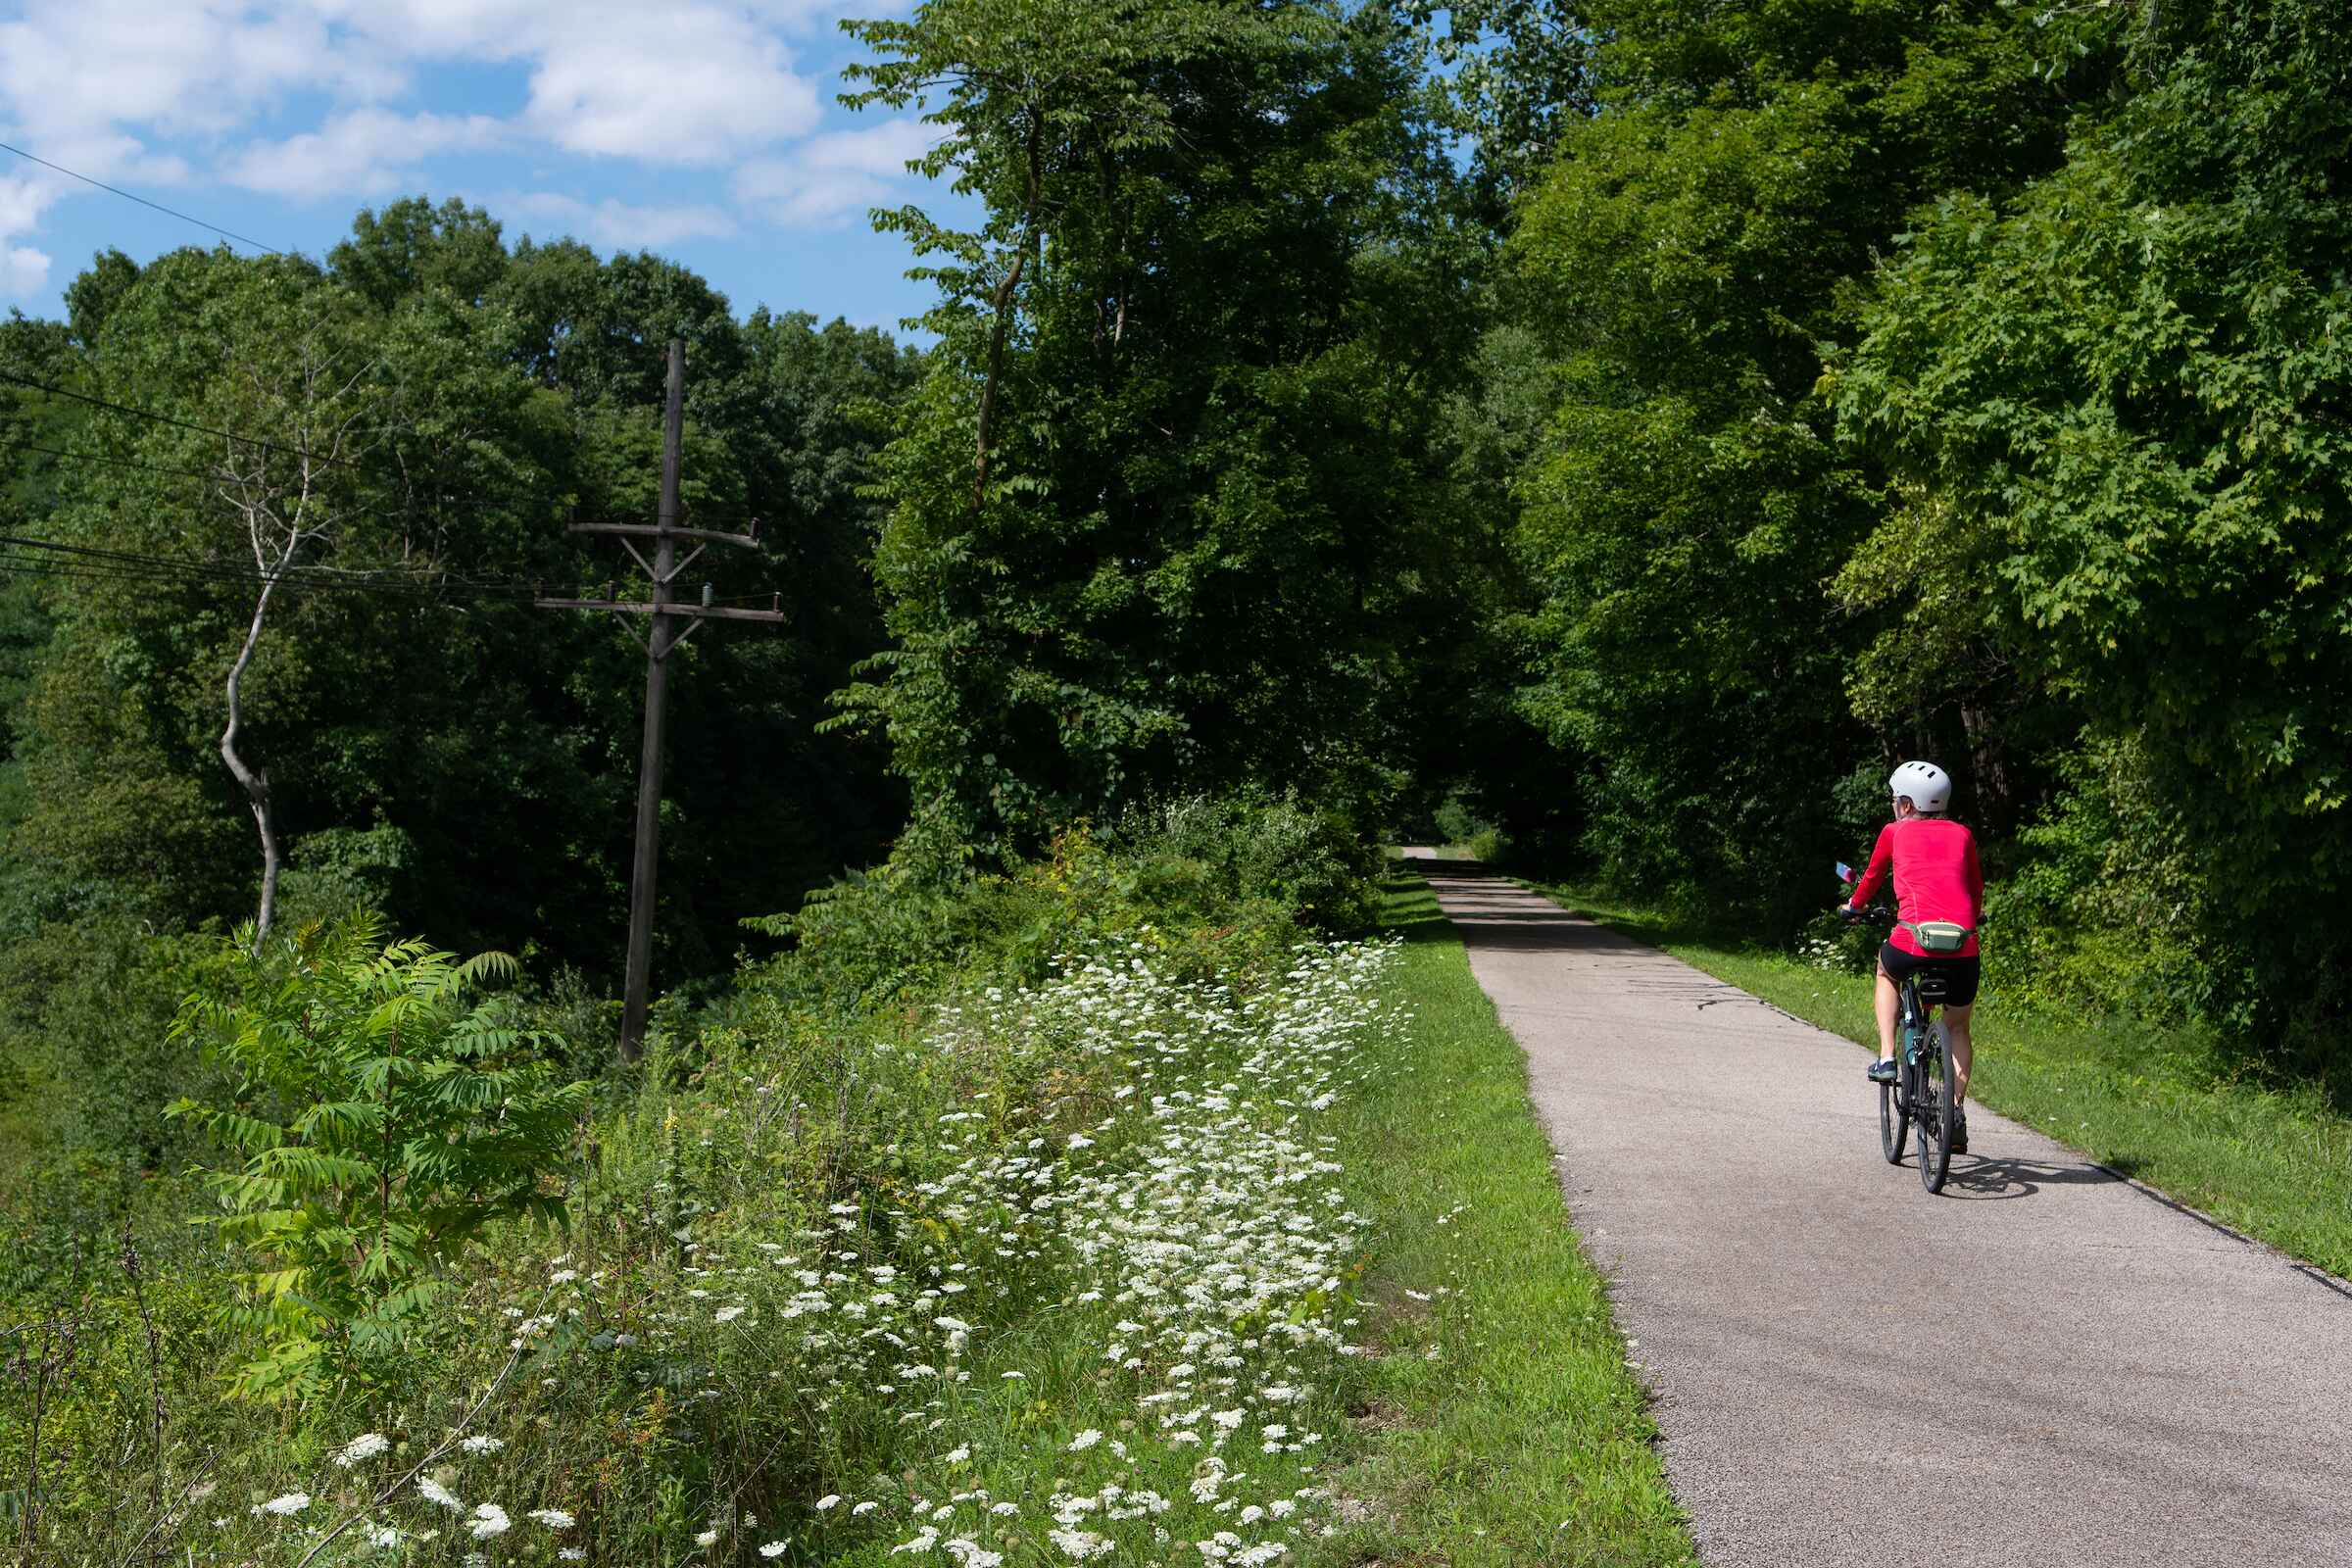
[[1629, 425], [432, 741]]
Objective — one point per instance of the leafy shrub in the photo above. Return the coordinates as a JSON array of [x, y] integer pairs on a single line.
[[386, 1115], [1235, 872], [1458, 823], [889, 932], [85, 1033], [2103, 908], [1313, 862]]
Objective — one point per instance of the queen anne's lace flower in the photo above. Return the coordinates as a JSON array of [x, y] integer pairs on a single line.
[[1182, 1198], [367, 1446]]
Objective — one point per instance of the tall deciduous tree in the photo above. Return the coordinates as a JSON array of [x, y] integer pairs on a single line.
[[1162, 509], [2120, 407], [1688, 260]]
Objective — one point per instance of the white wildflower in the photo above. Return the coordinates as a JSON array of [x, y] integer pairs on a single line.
[[367, 1446]]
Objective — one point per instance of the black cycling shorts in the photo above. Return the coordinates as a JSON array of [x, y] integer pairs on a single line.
[[1960, 974]]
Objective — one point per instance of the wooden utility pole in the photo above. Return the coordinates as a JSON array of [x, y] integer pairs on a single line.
[[669, 623]]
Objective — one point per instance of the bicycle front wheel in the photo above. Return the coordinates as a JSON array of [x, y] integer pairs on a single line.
[[1894, 1121], [1936, 1110]]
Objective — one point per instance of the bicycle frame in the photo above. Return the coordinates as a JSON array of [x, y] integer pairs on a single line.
[[1914, 1022]]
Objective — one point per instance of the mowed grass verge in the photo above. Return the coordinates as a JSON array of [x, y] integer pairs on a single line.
[[2159, 1105], [1501, 1424]]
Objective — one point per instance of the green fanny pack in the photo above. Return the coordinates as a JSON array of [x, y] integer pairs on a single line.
[[1939, 936]]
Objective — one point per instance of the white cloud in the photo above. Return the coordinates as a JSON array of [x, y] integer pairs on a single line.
[[828, 178], [695, 81], [618, 225], [687, 85], [72, 71], [24, 200], [23, 272], [316, 100], [363, 152]]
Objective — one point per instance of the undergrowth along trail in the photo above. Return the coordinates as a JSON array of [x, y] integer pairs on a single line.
[[1092, 1303], [1504, 1423]]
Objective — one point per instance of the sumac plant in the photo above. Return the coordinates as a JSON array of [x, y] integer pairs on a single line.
[[386, 1110]]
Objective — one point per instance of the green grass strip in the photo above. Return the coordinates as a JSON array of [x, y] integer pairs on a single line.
[[1501, 1424], [2160, 1104]]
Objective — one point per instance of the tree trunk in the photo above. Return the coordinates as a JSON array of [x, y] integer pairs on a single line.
[[256, 783], [1989, 760], [1002, 305]]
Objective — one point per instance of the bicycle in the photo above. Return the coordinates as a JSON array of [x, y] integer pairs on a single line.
[[1921, 1095]]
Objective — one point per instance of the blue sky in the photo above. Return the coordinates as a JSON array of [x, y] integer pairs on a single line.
[[700, 129]]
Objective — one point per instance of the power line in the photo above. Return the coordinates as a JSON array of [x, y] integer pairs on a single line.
[[166, 419], [440, 494], [95, 562], [141, 200], [85, 571], [119, 463], [378, 509]]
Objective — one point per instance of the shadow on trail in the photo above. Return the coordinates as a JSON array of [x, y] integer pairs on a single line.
[[1976, 1177], [1517, 921]]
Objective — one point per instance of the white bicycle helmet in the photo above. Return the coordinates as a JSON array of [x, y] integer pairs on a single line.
[[1929, 786]]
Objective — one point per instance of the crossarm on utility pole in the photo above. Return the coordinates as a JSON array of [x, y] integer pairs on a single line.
[[642, 608], [669, 624]]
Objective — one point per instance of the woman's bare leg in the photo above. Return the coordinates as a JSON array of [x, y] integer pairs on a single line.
[[1955, 1031], [1889, 1004]]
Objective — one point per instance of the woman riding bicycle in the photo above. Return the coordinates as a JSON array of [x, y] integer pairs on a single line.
[[1938, 883]]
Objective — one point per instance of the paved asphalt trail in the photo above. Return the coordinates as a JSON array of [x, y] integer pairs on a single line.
[[2122, 1383]]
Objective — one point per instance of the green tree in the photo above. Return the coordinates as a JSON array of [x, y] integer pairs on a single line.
[[1688, 261], [1164, 510], [507, 393], [386, 1113], [2118, 407]]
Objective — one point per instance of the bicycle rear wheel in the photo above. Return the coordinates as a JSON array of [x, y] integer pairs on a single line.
[[1936, 1110]]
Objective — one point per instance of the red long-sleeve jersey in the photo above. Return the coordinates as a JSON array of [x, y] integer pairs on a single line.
[[1936, 878]]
